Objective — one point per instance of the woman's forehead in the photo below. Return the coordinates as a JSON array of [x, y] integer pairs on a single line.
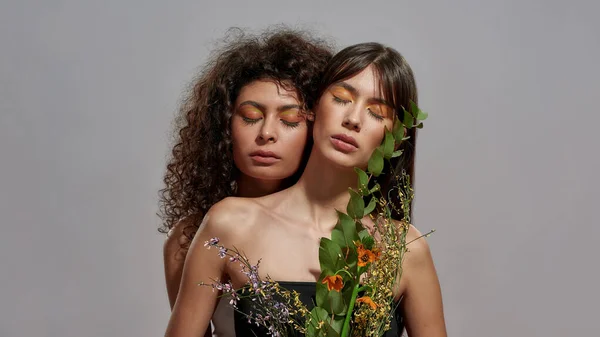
[[367, 84]]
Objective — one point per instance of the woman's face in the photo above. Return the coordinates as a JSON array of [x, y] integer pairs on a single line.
[[269, 131], [350, 120]]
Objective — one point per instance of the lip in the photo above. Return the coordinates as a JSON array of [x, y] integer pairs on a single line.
[[344, 143], [265, 157]]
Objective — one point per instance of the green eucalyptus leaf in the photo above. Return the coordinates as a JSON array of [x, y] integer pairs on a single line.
[[359, 226], [330, 256], [363, 179], [346, 224], [332, 301], [322, 292], [342, 217], [420, 126], [338, 237], [351, 256], [317, 314], [375, 188], [416, 111], [356, 205], [331, 332], [336, 326], [388, 144], [371, 206], [376, 162], [368, 241], [409, 120], [347, 291], [397, 153], [362, 234], [398, 131]]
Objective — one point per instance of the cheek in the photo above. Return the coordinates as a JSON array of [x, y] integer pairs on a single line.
[[295, 141], [325, 118], [376, 135], [241, 134]]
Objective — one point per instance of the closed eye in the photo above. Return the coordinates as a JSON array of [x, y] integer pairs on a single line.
[[375, 115], [340, 101], [250, 121], [290, 124]]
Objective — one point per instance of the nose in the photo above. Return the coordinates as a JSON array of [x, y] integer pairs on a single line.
[[267, 132], [352, 119]]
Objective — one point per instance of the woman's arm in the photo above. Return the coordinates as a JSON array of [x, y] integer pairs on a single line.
[[174, 253], [194, 304], [422, 297]]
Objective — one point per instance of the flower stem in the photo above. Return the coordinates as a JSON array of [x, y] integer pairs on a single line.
[[346, 326]]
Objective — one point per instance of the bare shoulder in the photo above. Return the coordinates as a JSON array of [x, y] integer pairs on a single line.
[[418, 251], [420, 289], [417, 259], [230, 214], [417, 265], [231, 219], [180, 236]]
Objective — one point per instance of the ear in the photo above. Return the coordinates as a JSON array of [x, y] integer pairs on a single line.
[[310, 116]]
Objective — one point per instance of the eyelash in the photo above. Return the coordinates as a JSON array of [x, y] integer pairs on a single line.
[[340, 101], [345, 102], [290, 125], [250, 121], [376, 116]]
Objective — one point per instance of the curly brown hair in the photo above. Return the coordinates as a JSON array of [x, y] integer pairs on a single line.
[[201, 171]]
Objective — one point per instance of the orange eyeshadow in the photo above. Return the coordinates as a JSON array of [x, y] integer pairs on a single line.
[[250, 112], [341, 93], [292, 115]]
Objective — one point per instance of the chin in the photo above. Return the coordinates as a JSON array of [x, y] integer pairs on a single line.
[[342, 160], [267, 173]]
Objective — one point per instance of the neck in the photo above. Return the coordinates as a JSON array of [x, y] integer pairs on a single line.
[[249, 187], [323, 189]]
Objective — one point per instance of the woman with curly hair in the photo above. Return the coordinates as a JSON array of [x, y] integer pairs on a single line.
[[242, 132]]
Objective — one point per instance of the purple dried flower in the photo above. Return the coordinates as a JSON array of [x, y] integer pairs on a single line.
[[227, 287], [234, 298], [212, 242], [282, 309]]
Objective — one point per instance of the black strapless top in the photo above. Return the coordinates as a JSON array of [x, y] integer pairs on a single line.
[[307, 292]]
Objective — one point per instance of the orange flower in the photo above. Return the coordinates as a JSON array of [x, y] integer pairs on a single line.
[[367, 300], [365, 255], [334, 282]]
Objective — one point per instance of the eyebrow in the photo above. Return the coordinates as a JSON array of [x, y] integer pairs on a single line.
[[348, 87], [262, 107], [252, 103], [354, 92], [288, 107]]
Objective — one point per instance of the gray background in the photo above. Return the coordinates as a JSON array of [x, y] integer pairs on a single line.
[[506, 164]]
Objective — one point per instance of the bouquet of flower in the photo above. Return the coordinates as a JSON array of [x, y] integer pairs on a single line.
[[360, 263]]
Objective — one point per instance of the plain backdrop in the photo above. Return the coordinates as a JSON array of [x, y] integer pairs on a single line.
[[506, 167]]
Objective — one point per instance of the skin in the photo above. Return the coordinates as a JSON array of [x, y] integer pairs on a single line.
[[265, 228], [266, 117]]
